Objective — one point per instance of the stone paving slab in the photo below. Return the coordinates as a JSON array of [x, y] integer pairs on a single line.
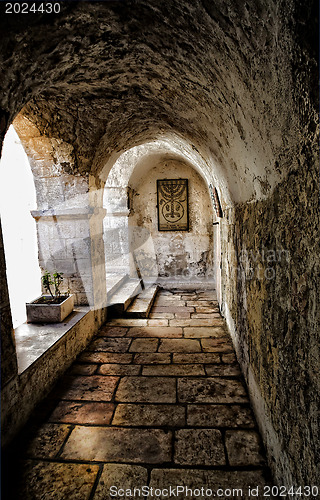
[[179, 345], [53, 481], [226, 340], [170, 305], [81, 369], [152, 331], [121, 370], [152, 358], [128, 322], [105, 357], [82, 413], [172, 309], [205, 309], [207, 314], [144, 345], [229, 358], [174, 370], [110, 345], [91, 388], [115, 444], [112, 331], [199, 447], [183, 407], [161, 315], [169, 301], [209, 480], [244, 448], [219, 416], [182, 315], [155, 415], [146, 390], [211, 390], [223, 370], [205, 331], [210, 345], [46, 441], [158, 322], [202, 302], [123, 477], [207, 295], [196, 358], [194, 322]]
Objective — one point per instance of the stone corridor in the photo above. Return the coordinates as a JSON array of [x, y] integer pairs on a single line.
[[158, 402]]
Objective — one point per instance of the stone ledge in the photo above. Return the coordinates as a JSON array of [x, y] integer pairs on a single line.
[[33, 340], [38, 376], [68, 213]]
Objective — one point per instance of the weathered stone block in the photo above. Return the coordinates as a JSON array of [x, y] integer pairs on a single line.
[[124, 477], [144, 345], [199, 447], [82, 413], [152, 358], [155, 331], [149, 415], [90, 388], [118, 445], [120, 345], [211, 390], [65, 480], [121, 370], [146, 390], [219, 416], [196, 358], [173, 370], [46, 441], [244, 448], [179, 345], [204, 331], [105, 357]]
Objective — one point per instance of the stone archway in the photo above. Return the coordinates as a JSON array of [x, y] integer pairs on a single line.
[[239, 82], [126, 222], [180, 255]]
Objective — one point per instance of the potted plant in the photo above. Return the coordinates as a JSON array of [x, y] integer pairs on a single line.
[[53, 307]]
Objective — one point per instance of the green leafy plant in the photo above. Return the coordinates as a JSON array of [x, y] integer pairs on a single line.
[[55, 280]]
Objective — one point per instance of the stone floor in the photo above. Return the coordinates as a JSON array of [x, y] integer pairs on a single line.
[[158, 403]]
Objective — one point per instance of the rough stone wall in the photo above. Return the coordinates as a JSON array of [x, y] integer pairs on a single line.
[[180, 254], [271, 286], [67, 238]]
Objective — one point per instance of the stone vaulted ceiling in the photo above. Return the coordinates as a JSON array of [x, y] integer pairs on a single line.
[[106, 76]]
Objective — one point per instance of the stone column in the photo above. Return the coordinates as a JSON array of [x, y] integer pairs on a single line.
[[70, 241], [116, 242]]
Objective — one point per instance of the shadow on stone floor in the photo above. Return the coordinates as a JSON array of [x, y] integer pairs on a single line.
[[151, 403]]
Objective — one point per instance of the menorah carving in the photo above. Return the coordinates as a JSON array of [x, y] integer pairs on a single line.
[[173, 204]]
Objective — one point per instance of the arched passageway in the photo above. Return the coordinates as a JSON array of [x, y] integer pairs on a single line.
[[234, 81], [132, 235]]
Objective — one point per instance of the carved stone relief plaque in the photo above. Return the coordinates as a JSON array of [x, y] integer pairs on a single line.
[[173, 205]]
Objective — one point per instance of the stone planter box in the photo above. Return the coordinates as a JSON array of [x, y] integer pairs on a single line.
[[49, 313]]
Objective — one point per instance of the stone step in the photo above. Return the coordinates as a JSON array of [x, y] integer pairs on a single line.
[[141, 306], [121, 300], [114, 282]]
